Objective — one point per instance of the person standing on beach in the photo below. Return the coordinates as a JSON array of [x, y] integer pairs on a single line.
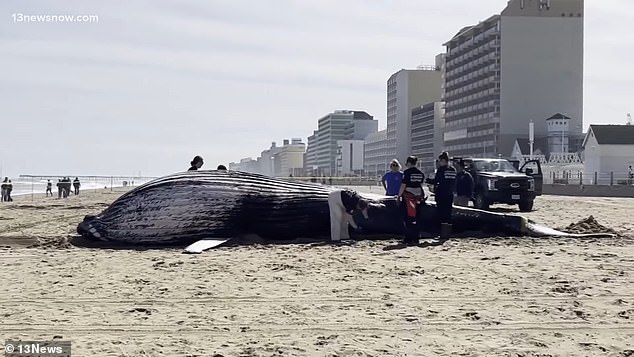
[[392, 179], [464, 185], [196, 163], [412, 194], [49, 188], [9, 189], [76, 185], [59, 188], [444, 182], [3, 188]]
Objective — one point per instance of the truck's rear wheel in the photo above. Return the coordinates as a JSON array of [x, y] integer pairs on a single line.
[[526, 206], [481, 202]]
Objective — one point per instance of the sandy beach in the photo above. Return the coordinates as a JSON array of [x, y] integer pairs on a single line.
[[469, 297]]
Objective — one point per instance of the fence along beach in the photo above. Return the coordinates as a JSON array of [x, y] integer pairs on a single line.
[[36, 184]]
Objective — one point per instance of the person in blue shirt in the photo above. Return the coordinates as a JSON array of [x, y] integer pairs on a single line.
[[392, 179]]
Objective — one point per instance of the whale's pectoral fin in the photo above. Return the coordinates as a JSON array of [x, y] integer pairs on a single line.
[[204, 244]]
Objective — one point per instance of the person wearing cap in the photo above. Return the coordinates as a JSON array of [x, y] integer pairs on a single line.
[[392, 179], [197, 163], [464, 185], [412, 195], [445, 186], [342, 205]]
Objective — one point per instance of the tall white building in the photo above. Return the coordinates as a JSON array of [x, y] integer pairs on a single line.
[[406, 90], [509, 69], [322, 151], [349, 157], [428, 123], [290, 159], [376, 154]]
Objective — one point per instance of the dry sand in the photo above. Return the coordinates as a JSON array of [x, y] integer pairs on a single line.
[[486, 297]]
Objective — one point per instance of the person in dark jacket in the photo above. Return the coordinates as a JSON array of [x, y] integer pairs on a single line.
[[8, 193], [445, 185], [77, 185], [464, 185], [196, 163], [412, 196], [5, 184], [49, 188], [342, 204]]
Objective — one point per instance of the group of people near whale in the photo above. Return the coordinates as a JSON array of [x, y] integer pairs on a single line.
[[408, 188]]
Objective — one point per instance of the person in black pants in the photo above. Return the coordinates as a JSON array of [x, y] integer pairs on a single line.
[[412, 196], [445, 183], [464, 185]]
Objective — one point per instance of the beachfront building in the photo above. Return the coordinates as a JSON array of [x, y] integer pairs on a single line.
[[376, 154], [322, 150], [406, 90], [245, 165], [290, 158], [509, 69], [427, 125], [608, 152], [349, 158]]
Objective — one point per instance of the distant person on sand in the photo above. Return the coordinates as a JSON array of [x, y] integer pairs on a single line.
[[196, 163], [5, 184], [221, 167], [631, 172], [8, 192], [76, 185], [49, 188], [59, 188], [66, 187]]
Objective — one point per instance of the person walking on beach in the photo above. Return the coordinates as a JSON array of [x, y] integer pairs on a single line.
[[392, 179], [66, 187], [59, 188], [9, 189], [412, 196], [464, 185], [76, 185], [444, 182], [342, 204], [196, 163], [3, 188], [49, 188]]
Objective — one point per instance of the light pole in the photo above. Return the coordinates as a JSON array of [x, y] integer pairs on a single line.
[[531, 137]]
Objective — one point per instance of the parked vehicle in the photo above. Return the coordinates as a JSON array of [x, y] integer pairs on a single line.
[[503, 181]]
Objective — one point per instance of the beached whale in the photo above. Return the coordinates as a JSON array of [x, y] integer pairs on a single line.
[[211, 207]]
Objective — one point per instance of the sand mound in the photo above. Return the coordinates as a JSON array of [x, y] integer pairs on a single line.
[[588, 226]]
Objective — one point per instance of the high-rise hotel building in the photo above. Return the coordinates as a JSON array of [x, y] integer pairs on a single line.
[[524, 64]]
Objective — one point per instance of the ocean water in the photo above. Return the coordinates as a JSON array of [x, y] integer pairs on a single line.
[[27, 186]]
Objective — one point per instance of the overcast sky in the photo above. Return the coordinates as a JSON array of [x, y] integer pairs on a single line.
[[153, 83]]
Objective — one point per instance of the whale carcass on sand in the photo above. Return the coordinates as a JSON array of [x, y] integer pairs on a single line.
[[207, 208]]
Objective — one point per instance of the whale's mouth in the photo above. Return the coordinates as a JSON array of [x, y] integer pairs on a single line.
[[90, 228]]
